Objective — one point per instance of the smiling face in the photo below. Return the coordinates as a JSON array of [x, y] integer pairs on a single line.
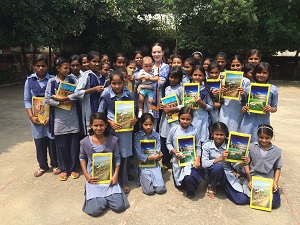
[[262, 76], [98, 126], [177, 62], [138, 59], [187, 68], [105, 69], [85, 64], [198, 76], [236, 65], [254, 59], [64, 69], [206, 64], [264, 141], [117, 84], [185, 120], [120, 62], [157, 53], [214, 73], [219, 137], [95, 64]]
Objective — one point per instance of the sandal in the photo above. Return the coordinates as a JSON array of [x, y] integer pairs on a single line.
[[164, 169], [211, 192], [56, 171], [126, 189], [63, 176], [39, 172], [74, 175]]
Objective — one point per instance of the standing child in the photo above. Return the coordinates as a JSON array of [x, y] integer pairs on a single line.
[[117, 92], [262, 74], [199, 56], [206, 63], [150, 177], [100, 196], [105, 58], [177, 61], [188, 66], [253, 56], [189, 176], [265, 160], [75, 66], [146, 78], [84, 62], [119, 60], [35, 86], [200, 121], [64, 124], [214, 153], [221, 58], [175, 78], [248, 69], [231, 110]]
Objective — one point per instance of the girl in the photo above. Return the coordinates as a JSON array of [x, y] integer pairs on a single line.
[[188, 66], [221, 58], [84, 62], [75, 66], [119, 60], [64, 124], [35, 86], [262, 73], [265, 160], [248, 69], [117, 92], [99, 196], [189, 176], [231, 110], [206, 63], [104, 71], [150, 177], [138, 58], [214, 154], [200, 121], [175, 78], [199, 56], [104, 58], [177, 61], [253, 56]]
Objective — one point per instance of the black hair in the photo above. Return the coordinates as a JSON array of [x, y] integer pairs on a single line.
[[158, 44], [40, 58], [209, 58], [260, 67], [138, 52], [248, 67], [130, 61], [176, 56], [186, 110], [60, 60], [122, 69], [98, 116], [213, 65], [92, 54], [146, 116], [223, 55], [104, 63], [219, 126], [81, 58], [116, 72], [237, 57], [253, 52], [199, 53], [74, 58], [176, 72], [265, 129]]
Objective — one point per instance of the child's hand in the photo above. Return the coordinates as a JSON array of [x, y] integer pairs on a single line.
[[225, 154], [114, 180], [114, 125], [267, 108], [217, 105], [250, 184], [68, 102], [90, 179], [147, 77], [245, 108], [34, 120], [99, 89], [166, 110], [197, 164], [58, 98], [133, 121], [178, 155], [215, 91], [198, 100], [223, 89], [246, 160], [161, 106], [275, 187], [159, 156], [241, 90], [46, 121]]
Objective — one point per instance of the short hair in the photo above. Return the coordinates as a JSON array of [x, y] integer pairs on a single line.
[[98, 116], [147, 59], [260, 67]]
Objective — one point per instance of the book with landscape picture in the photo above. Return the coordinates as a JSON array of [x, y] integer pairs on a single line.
[[148, 147], [102, 167], [238, 145], [186, 145], [261, 196], [171, 101], [232, 81], [124, 112], [189, 91], [214, 84], [64, 90], [40, 109], [258, 97]]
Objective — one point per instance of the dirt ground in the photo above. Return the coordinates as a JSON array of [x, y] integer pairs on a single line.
[[46, 200]]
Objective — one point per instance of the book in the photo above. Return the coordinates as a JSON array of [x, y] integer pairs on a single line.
[[238, 145], [124, 111], [258, 97], [102, 167], [148, 147], [188, 92], [170, 102], [130, 83], [40, 109], [261, 193], [232, 81], [186, 145], [214, 84], [64, 90]]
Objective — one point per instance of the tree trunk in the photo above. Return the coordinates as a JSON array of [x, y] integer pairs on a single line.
[[25, 60], [50, 57]]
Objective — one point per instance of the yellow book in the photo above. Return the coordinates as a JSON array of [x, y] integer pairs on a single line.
[[186, 145], [261, 196], [148, 147], [189, 91], [258, 97], [64, 90], [102, 167], [124, 111], [214, 84], [171, 101], [40, 109], [238, 145], [232, 81]]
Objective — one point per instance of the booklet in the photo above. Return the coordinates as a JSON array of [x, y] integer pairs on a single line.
[[261, 193], [238, 145], [214, 84], [64, 90], [188, 92], [148, 147], [124, 111], [232, 81], [186, 145], [258, 97], [40, 109], [102, 167], [170, 102]]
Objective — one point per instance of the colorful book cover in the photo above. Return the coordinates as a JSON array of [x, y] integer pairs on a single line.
[[238, 145], [148, 147], [232, 81], [261, 193], [186, 145], [190, 90], [102, 167], [258, 97], [130, 83], [64, 90], [214, 84], [40, 109], [124, 111], [170, 102]]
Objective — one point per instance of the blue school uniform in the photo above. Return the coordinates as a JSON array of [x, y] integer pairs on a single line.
[[251, 121], [200, 119], [179, 173], [151, 177], [231, 110]]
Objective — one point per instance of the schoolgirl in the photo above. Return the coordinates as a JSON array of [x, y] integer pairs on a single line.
[[35, 86], [188, 66], [150, 177], [64, 124], [119, 60], [231, 110], [265, 161], [204, 100], [98, 197], [177, 61], [248, 69], [105, 58], [104, 71], [84, 63], [206, 63], [75, 66], [199, 56], [214, 154], [186, 177], [175, 78], [117, 92], [253, 56], [221, 58], [262, 73]]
